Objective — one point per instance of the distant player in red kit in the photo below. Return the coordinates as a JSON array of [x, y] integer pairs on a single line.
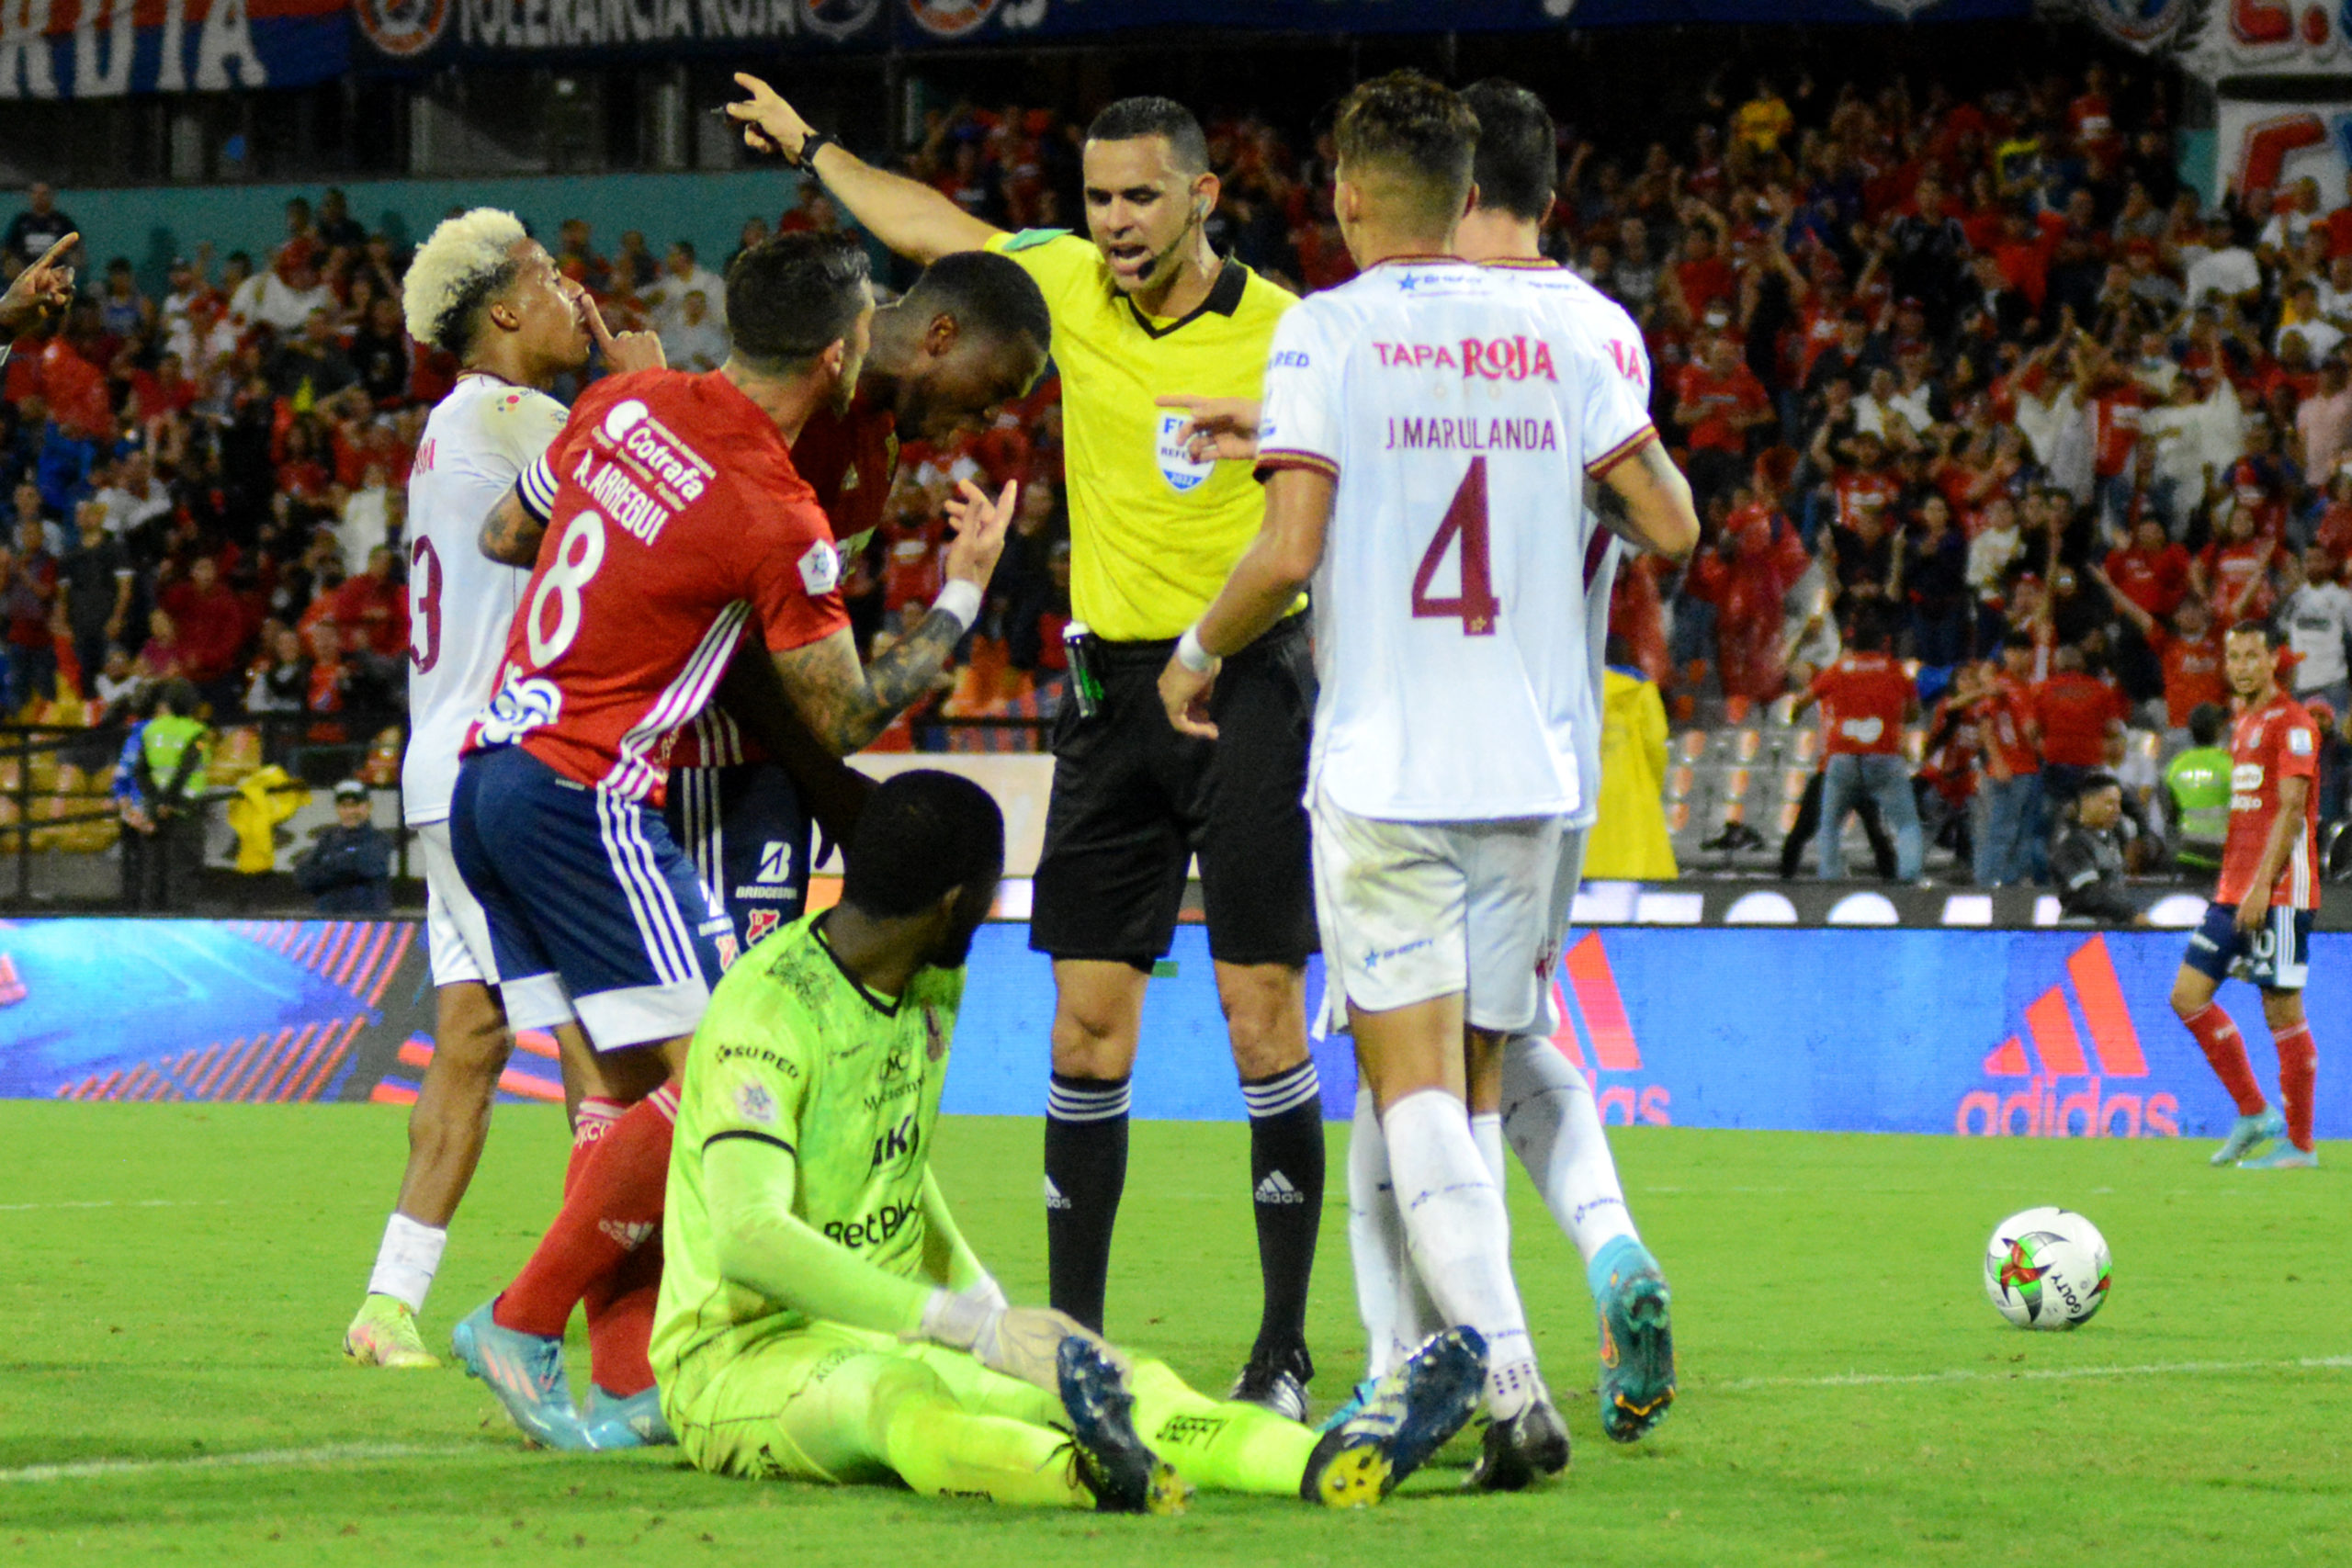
[[2259, 926]]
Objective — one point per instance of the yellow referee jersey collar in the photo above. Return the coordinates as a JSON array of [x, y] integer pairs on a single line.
[[1223, 299]]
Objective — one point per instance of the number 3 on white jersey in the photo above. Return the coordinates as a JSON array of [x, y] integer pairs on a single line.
[[577, 557]]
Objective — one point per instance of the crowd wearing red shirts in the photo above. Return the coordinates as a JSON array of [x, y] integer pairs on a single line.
[[1984, 365]]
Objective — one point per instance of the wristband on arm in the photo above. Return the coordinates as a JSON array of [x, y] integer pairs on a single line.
[[1193, 656], [960, 598]]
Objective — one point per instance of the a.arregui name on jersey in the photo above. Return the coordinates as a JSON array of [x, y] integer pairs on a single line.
[[1472, 435], [622, 502]]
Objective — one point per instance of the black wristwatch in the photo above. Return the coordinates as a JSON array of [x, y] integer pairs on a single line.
[[808, 146]]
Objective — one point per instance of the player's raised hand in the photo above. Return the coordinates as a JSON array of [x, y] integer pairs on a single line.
[[1185, 694], [42, 291], [770, 125], [623, 352], [1222, 428], [980, 524]]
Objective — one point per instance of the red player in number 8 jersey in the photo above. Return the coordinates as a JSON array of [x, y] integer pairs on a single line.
[[669, 521]]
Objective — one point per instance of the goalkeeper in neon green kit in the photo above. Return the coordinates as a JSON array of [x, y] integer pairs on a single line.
[[822, 1319]]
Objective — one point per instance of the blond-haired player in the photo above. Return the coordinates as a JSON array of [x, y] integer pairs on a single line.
[[483, 289]]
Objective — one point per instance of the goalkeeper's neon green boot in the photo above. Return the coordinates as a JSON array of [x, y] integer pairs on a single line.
[[384, 1335], [1114, 1464], [2285, 1156], [2249, 1132]]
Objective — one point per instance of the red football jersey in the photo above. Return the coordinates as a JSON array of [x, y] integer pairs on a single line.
[[1863, 697], [849, 461], [2154, 579], [2278, 741], [674, 519], [2004, 726], [1716, 401], [1859, 491], [2075, 710], [2192, 673]]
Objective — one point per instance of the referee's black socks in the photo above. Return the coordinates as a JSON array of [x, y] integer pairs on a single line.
[[1086, 1170], [1286, 1187]]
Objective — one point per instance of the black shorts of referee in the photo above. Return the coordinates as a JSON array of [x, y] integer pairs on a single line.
[[1134, 802]]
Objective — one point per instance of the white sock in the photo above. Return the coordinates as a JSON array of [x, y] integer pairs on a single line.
[[1460, 1237], [1487, 1131], [406, 1260], [1553, 1123], [1371, 1234], [1394, 1309]]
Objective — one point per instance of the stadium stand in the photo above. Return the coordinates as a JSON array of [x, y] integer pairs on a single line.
[[1984, 362]]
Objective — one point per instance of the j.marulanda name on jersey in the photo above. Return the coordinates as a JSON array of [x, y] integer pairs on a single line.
[[1460, 434]]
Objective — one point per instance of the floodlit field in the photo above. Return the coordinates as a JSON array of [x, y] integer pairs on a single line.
[[174, 1282]]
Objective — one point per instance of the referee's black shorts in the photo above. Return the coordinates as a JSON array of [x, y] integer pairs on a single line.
[[1133, 801]]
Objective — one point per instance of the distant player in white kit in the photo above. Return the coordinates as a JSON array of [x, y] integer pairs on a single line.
[[1420, 425], [485, 291]]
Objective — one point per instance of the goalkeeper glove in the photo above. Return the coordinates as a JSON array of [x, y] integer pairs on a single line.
[[1019, 1342]]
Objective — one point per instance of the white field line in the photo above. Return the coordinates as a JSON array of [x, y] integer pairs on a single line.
[[2034, 1374], [336, 1453], [120, 1205]]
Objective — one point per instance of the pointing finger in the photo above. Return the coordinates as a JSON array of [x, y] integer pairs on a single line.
[[59, 249]]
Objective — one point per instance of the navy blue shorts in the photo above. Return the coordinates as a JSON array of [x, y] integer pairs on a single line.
[[749, 837], [2276, 956], [587, 897]]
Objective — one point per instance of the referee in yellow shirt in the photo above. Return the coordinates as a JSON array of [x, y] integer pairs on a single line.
[[1141, 307]]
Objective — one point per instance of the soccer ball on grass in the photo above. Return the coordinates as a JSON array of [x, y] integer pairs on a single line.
[[2046, 1268]]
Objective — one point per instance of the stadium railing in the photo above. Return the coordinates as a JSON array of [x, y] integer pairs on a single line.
[[60, 833]]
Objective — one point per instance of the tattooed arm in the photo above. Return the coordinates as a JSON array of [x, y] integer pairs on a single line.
[[510, 534], [754, 697], [847, 704], [1647, 502]]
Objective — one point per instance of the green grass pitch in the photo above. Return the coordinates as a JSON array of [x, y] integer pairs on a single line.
[[174, 1280]]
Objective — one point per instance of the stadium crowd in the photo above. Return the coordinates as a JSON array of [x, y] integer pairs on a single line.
[[1976, 384]]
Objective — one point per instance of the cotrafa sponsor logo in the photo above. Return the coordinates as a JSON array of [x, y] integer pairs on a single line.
[[2057, 1081]]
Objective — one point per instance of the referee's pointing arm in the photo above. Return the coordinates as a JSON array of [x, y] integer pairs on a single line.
[[907, 216]]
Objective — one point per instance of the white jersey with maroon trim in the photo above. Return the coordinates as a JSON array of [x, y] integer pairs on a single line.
[[461, 604], [1459, 410]]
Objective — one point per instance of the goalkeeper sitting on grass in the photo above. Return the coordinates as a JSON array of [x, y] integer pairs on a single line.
[[820, 1316]]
